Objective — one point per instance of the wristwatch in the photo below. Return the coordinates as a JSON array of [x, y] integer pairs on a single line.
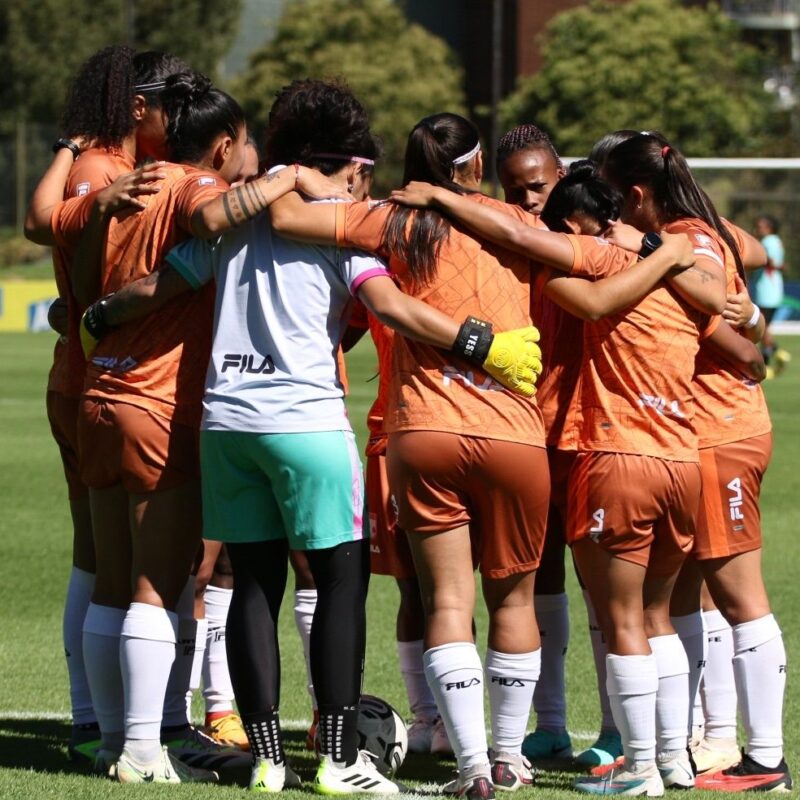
[[69, 145], [650, 243]]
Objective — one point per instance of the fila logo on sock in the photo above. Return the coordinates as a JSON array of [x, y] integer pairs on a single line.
[[599, 518], [511, 683], [701, 663], [736, 500], [782, 669], [462, 684]]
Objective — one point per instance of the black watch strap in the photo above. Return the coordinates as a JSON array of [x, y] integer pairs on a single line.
[[67, 144], [650, 243], [474, 340]]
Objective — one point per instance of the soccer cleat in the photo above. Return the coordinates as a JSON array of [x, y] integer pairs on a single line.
[[84, 743], [511, 772], [195, 749], [362, 777], [748, 776], [165, 769], [105, 763], [715, 755], [479, 787], [542, 745], [604, 769], [781, 358], [420, 735], [642, 778], [227, 731], [676, 772], [606, 750], [267, 776], [311, 736], [440, 744]]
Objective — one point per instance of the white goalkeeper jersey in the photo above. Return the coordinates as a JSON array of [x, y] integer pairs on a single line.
[[280, 311]]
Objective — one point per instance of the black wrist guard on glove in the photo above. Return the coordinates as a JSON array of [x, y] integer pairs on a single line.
[[473, 341]]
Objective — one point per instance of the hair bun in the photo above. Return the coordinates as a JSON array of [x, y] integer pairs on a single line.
[[191, 86], [582, 170]]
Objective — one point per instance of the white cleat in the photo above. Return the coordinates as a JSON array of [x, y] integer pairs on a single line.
[[267, 776], [638, 778], [676, 771], [714, 755], [511, 772], [165, 769], [359, 778]]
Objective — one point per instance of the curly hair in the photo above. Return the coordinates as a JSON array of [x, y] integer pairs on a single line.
[[99, 102], [525, 137], [310, 117], [197, 113]]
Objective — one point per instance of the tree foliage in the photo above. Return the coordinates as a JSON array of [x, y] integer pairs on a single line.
[[398, 70], [43, 43], [647, 64]]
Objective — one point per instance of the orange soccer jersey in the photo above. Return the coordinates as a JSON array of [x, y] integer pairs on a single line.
[[95, 169], [635, 392], [729, 407], [159, 362], [431, 389]]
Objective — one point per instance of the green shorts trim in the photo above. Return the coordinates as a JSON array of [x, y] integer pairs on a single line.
[[304, 487]]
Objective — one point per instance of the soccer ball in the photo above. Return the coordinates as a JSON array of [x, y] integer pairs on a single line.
[[382, 733]]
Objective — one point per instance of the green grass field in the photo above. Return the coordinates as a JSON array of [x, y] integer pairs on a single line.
[[35, 547]]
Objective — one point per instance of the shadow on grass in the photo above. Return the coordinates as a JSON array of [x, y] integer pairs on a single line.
[[35, 744]]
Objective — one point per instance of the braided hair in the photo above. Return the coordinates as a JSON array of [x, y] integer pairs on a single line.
[[525, 137]]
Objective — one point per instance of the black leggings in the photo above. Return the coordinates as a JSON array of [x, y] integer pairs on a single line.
[[338, 633]]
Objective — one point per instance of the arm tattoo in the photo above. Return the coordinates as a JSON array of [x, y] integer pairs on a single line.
[[703, 275]]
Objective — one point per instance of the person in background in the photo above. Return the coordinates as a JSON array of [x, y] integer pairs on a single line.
[[767, 288]]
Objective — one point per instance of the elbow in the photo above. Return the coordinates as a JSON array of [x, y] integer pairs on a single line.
[[204, 226], [755, 368], [278, 219], [35, 231]]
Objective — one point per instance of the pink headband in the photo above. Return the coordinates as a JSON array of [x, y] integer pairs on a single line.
[[665, 150], [370, 162]]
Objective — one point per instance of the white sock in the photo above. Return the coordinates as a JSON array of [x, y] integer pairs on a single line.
[[549, 699], [456, 679], [217, 688], [201, 634], [600, 652], [175, 710], [719, 683], [305, 601], [79, 595], [511, 679], [632, 685], [691, 630], [759, 665], [101, 632], [672, 699], [420, 699], [147, 652]]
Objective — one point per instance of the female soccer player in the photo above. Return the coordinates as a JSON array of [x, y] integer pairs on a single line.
[[107, 108], [735, 439], [273, 406]]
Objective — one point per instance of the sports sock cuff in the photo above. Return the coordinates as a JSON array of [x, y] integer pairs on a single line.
[[670, 655], [543, 603], [747, 635], [438, 661], [104, 620], [410, 655], [302, 596], [714, 621], [82, 578], [689, 624], [151, 623], [522, 666], [631, 675], [218, 601]]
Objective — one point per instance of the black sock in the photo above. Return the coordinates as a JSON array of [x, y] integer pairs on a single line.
[[264, 734], [337, 733]]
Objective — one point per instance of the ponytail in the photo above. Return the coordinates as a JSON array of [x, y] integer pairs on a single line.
[[648, 159], [196, 113], [437, 148]]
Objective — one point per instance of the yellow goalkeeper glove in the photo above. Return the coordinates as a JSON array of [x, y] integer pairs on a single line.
[[93, 326], [515, 360]]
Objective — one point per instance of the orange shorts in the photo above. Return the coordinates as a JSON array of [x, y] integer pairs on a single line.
[[62, 412], [122, 443], [501, 489], [729, 519], [639, 508], [388, 545]]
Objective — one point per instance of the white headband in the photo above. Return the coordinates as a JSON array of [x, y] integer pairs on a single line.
[[467, 156]]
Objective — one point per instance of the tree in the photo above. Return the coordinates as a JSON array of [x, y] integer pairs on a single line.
[[398, 70], [647, 64]]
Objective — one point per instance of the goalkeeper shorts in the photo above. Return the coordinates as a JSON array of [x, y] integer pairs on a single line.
[[304, 487]]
